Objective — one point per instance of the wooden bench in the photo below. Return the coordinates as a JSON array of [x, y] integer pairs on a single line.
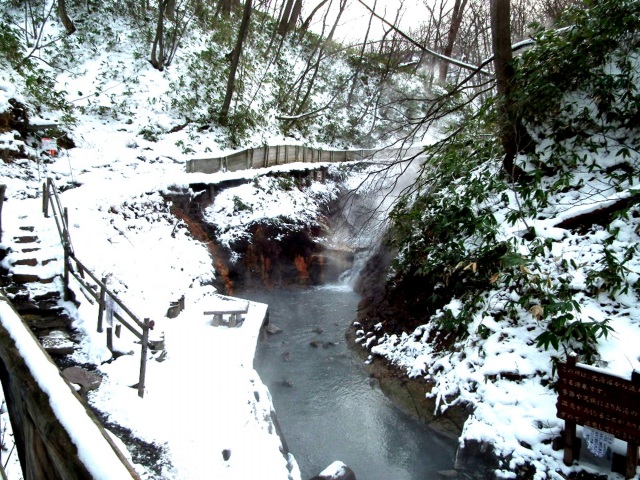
[[235, 316]]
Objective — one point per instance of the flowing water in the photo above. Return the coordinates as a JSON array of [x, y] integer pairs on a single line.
[[327, 406]]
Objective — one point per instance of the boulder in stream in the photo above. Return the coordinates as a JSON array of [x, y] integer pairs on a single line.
[[272, 329], [336, 471]]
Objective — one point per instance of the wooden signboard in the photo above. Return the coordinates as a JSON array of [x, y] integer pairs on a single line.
[[602, 401]]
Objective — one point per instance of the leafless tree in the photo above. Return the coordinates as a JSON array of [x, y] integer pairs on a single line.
[[306, 81], [360, 59], [307, 23], [64, 17], [166, 41], [456, 20], [290, 16], [235, 60]]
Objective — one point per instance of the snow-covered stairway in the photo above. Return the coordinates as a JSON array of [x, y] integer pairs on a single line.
[[32, 281]]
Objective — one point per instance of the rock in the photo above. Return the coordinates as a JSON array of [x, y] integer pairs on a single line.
[[57, 343], [285, 383], [318, 330], [272, 329], [88, 381], [314, 343], [226, 454], [447, 474], [286, 356], [328, 344], [336, 471]]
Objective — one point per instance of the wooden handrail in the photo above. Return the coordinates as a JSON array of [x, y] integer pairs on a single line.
[[51, 198]]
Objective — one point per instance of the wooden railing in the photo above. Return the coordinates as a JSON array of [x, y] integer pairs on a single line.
[[95, 287], [47, 443], [270, 156]]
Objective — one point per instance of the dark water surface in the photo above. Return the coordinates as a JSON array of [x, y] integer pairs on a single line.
[[326, 406]]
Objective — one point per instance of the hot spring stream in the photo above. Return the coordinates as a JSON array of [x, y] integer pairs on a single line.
[[327, 408]]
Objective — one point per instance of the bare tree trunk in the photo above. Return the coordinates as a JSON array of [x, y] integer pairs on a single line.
[[511, 130], [284, 18], [157, 51], [170, 11], [307, 22], [295, 15], [356, 74], [235, 60], [456, 20], [64, 17], [225, 6]]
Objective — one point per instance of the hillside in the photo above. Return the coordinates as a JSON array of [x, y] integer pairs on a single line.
[[492, 280]]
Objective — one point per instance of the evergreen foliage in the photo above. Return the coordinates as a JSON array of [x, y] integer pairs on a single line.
[[470, 235]]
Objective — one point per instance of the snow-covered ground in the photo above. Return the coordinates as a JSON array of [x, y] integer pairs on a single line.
[[204, 396]]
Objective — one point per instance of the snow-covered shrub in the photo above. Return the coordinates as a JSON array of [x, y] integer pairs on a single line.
[[535, 251]]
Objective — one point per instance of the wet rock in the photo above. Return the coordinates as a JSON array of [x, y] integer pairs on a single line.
[[329, 344], [285, 383], [447, 474], [87, 380], [272, 329], [314, 343], [57, 342], [336, 471], [318, 330], [286, 356]]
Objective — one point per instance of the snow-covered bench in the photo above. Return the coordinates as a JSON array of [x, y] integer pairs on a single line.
[[234, 316]]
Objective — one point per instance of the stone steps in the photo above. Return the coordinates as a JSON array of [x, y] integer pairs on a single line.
[[31, 279]]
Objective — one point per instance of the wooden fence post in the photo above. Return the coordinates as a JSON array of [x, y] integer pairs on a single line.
[[632, 460], [101, 305], [45, 199], [67, 256], [3, 188], [143, 356], [110, 339]]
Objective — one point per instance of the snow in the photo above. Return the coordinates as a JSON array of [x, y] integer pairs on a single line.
[[204, 397], [335, 470], [93, 449]]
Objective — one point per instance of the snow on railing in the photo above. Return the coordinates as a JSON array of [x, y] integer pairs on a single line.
[[94, 286]]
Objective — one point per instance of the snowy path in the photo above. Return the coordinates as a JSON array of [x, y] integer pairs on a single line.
[[205, 407]]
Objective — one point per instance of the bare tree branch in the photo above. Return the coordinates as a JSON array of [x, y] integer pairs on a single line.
[[459, 63]]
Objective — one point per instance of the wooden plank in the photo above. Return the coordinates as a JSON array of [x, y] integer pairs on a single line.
[[227, 312], [569, 442], [632, 460], [599, 400]]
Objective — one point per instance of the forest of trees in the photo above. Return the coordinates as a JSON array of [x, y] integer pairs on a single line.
[[448, 51]]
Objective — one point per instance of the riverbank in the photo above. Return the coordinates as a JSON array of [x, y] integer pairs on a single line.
[[411, 395]]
